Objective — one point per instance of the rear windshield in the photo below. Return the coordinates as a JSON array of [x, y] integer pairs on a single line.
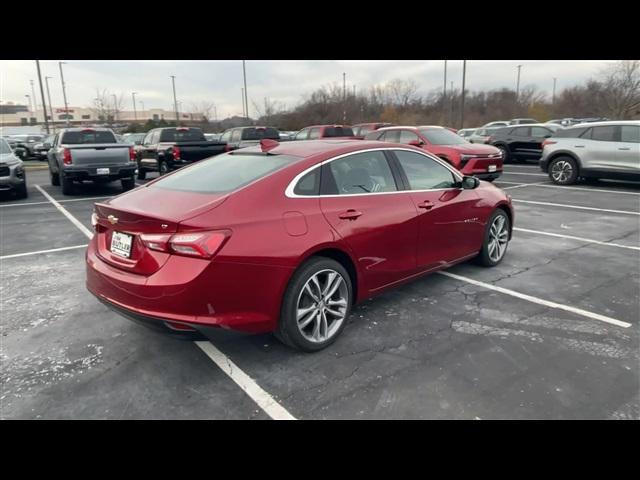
[[442, 136], [224, 173], [186, 135], [260, 133], [338, 132], [88, 136]]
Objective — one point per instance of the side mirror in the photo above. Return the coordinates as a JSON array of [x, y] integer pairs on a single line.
[[469, 183], [416, 143], [46, 145], [547, 136]]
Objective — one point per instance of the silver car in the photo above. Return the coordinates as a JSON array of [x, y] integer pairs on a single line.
[[481, 135], [593, 150], [12, 175], [466, 132]]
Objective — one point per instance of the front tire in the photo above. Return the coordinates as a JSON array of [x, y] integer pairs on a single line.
[[563, 171], [316, 305], [496, 239], [506, 155]]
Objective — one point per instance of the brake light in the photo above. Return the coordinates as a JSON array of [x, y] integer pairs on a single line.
[[176, 152], [548, 142], [193, 244], [227, 148], [88, 130], [132, 154], [66, 156], [182, 129]]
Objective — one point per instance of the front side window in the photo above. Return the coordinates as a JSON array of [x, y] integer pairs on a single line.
[[226, 136], [540, 132], [521, 132], [314, 133], [423, 172], [235, 136], [407, 137], [630, 133], [392, 136], [302, 134], [366, 172]]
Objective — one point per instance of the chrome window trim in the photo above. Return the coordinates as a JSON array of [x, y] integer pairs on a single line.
[[289, 191]]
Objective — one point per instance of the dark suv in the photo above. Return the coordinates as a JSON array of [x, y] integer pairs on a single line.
[[521, 142]]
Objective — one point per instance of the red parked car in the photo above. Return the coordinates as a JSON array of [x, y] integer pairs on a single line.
[[288, 237], [482, 161], [316, 132], [361, 129]]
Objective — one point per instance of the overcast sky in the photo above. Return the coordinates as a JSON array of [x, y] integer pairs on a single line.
[[284, 81]]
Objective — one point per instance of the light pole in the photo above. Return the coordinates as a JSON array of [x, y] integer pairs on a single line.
[[518, 84], [44, 104], [244, 113], [444, 93], [53, 122], [135, 114], [464, 76], [35, 99], [344, 98], [179, 108], [64, 92], [142, 103], [553, 98], [175, 102], [30, 110], [451, 104], [115, 108], [246, 95]]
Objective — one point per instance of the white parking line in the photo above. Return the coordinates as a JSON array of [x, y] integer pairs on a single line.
[[578, 207], [246, 383], [15, 255], [523, 173], [580, 239], [539, 301], [520, 185], [584, 189], [59, 201], [71, 218]]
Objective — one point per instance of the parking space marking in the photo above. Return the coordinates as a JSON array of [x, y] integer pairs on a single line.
[[521, 185], [578, 207], [581, 239], [539, 301], [563, 187], [59, 201], [15, 255], [523, 173], [262, 398], [71, 218]]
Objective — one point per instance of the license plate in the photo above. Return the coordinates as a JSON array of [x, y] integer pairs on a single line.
[[121, 244], [102, 171], [491, 168]]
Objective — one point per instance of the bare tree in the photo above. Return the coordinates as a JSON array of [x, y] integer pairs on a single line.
[[621, 89], [105, 106], [205, 108]]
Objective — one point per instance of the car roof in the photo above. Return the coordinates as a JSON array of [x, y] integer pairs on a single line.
[[328, 125], [311, 148], [604, 124]]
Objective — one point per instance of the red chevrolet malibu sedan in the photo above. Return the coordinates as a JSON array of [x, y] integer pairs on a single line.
[[482, 161], [286, 238]]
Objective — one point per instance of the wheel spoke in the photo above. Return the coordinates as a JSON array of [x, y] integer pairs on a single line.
[[316, 283], [330, 277], [307, 289], [324, 326], [333, 312], [308, 319], [340, 302], [316, 328], [334, 287], [303, 311]]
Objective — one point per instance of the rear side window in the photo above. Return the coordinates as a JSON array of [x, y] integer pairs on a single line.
[[630, 133], [521, 132], [338, 132], [604, 134], [570, 132], [182, 135], [309, 184], [423, 172], [88, 136], [366, 172], [223, 173], [260, 133]]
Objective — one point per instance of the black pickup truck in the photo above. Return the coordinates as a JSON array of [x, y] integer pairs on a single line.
[[167, 149]]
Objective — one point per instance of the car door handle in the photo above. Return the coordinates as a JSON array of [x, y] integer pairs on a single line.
[[427, 205], [350, 215], [624, 148], [578, 146]]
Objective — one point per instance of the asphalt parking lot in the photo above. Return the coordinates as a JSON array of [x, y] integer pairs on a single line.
[[551, 333]]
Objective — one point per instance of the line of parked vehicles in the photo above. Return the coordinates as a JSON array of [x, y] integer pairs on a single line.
[[566, 150]]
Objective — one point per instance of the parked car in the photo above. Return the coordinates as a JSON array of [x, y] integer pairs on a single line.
[[167, 149], [133, 138], [361, 129], [482, 161], [316, 132], [80, 154], [211, 137], [481, 135], [564, 122], [520, 143], [337, 223], [522, 121], [466, 132], [241, 137], [498, 123], [595, 150], [24, 144], [40, 149], [12, 175], [286, 136]]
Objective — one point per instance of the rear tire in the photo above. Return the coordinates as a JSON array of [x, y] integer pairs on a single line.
[[496, 239], [506, 155], [163, 168], [563, 170], [55, 178], [142, 173], [335, 294], [67, 185], [127, 184]]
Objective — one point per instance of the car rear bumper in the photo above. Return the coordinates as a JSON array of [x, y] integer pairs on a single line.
[[199, 293], [90, 172]]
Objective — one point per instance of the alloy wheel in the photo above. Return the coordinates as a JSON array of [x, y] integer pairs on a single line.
[[498, 238], [561, 171]]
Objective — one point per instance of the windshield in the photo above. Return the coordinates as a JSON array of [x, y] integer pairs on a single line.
[[442, 136], [224, 173], [182, 135], [88, 136], [4, 147]]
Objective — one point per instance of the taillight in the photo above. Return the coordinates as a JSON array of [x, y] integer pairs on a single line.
[[132, 154], [192, 244], [66, 156], [548, 142], [94, 220], [176, 152], [227, 148]]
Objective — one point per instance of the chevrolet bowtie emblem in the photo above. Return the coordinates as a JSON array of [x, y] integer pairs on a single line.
[[112, 220]]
